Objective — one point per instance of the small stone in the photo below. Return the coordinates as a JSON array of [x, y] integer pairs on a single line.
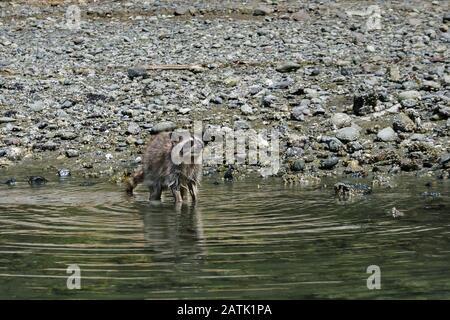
[[298, 165], [67, 104], [180, 11], [288, 67], [67, 135], [37, 106], [341, 120], [268, 100], [402, 123], [298, 113], [231, 81], [163, 126], [394, 73], [7, 120], [431, 86], [408, 103], [387, 135], [329, 163], [301, 15], [184, 110], [347, 134], [136, 72], [15, 153], [246, 109], [36, 180], [409, 95], [262, 11], [444, 160], [133, 128], [216, 100], [72, 153], [365, 103], [241, 125]]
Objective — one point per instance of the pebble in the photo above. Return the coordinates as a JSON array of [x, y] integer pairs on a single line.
[[387, 134], [347, 134]]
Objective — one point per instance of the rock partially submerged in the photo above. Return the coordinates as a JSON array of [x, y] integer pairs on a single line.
[[345, 189]]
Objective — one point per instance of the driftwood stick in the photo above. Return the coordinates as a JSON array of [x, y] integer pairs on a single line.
[[190, 67]]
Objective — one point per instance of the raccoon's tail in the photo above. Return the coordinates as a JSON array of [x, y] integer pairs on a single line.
[[136, 178]]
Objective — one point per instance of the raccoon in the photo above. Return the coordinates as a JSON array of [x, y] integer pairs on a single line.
[[170, 163]]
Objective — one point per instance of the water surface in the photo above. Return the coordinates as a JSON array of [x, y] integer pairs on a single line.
[[249, 239]]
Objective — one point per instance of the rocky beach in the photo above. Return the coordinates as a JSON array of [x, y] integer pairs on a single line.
[[354, 88]]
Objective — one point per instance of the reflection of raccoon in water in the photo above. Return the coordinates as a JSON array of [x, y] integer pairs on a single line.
[[171, 161]]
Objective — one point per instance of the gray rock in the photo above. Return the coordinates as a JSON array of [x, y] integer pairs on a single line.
[[347, 134], [37, 106], [7, 120], [444, 160], [409, 95], [364, 103], [341, 120], [408, 103], [67, 104], [329, 163], [72, 153], [288, 67], [133, 128], [402, 123], [67, 135], [241, 125], [387, 135], [262, 11], [246, 109], [180, 11], [138, 71], [298, 165], [298, 113], [15, 153], [268, 100], [430, 86], [163, 126]]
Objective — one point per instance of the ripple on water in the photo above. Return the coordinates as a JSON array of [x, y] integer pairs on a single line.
[[240, 241]]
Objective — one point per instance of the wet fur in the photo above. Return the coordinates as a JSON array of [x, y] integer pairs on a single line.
[[159, 173]]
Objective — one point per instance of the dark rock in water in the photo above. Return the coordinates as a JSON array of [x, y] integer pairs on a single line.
[[350, 189], [329, 163], [87, 184], [11, 182], [2, 153], [136, 72], [63, 173], [431, 194], [364, 104], [36, 180], [229, 173], [298, 165]]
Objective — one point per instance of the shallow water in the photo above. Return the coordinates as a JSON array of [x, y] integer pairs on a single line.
[[249, 239]]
